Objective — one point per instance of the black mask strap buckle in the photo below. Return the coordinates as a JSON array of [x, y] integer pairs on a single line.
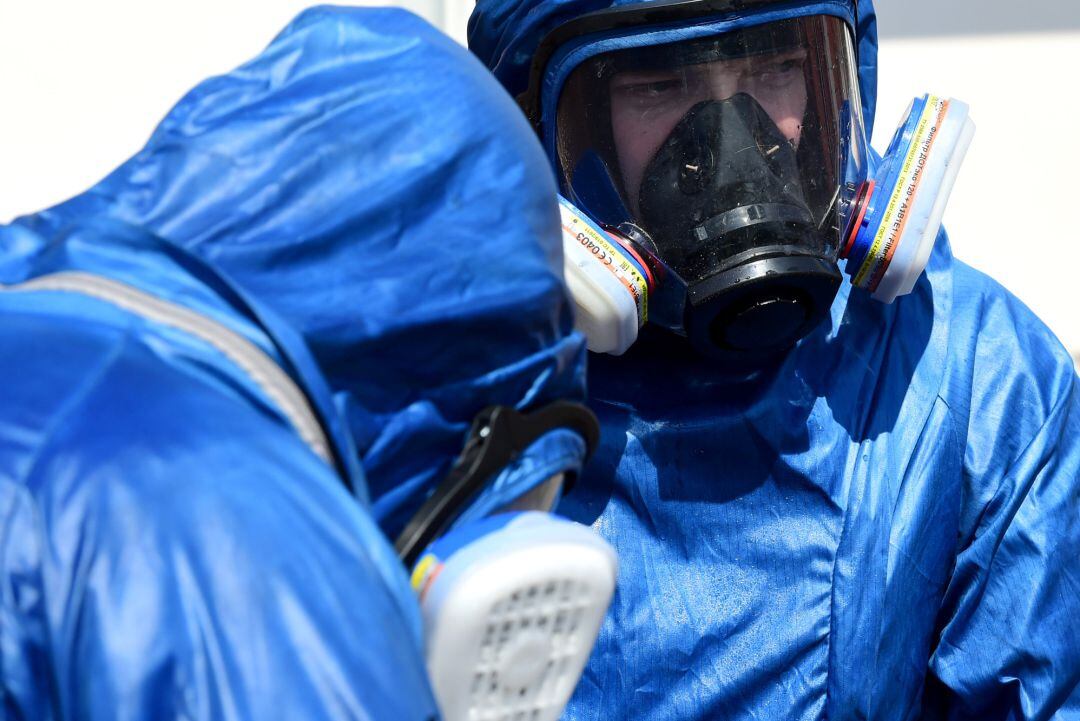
[[499, 434]]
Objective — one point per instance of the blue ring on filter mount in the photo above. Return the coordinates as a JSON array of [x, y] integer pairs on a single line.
[[892, 164]]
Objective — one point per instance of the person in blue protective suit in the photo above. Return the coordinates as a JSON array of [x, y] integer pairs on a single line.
[[319, 270], [825, 506]]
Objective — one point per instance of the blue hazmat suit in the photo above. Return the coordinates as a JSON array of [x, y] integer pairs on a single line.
[[887, 526], [172, 545]]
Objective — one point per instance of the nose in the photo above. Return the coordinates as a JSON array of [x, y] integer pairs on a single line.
[[723, 82]]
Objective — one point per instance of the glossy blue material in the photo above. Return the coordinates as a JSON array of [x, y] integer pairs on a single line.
[[169, 548], [884, 526]]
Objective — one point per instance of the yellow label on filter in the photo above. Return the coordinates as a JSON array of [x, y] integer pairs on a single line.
[[609, 255], [420, 572], [903, 197]]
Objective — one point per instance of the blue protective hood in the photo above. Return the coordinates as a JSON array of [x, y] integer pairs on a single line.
[[364, 205], [398, 221], [504, 34]]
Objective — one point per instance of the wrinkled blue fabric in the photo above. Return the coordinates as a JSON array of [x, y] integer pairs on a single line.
[[169, 547], [555, 452], [883, 527]]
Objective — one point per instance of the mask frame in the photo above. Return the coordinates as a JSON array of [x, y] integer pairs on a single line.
[[796, 307]]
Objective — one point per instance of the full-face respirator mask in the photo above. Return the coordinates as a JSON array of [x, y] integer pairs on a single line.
[[714, 173]]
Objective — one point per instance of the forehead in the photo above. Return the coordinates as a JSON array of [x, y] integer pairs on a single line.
[[744, 44], [739, 65]]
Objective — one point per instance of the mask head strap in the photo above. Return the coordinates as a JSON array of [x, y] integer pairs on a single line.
[[499, 434]]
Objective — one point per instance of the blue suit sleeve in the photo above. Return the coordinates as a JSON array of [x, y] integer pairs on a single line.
[[174, 553], [1009, 644]]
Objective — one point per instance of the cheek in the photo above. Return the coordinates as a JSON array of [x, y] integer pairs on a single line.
[[638, 135], [787, 110], [791, 128]]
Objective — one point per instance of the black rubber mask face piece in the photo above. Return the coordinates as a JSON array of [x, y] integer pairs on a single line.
[[723, 204], [725, 181]]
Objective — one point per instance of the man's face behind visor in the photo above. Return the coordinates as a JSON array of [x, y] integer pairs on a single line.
[[721, 148], [646, 105]]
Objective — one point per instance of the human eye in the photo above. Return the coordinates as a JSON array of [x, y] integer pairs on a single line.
[[649, 88], [779, 73]]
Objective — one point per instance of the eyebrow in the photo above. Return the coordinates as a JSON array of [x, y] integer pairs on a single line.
[[634, 77]]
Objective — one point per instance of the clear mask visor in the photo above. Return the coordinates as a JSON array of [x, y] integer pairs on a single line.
[[723, 149]]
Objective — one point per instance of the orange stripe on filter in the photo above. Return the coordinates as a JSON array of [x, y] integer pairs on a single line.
[[876, 280], [611, 269]]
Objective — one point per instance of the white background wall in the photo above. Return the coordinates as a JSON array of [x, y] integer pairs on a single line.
[[82, 84], [1013, 212]]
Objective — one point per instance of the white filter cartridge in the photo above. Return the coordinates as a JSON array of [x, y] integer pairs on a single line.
[[610, 293], [900, 216]]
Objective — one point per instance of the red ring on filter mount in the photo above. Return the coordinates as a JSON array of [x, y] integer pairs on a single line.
[[623, 242], [862, 204]]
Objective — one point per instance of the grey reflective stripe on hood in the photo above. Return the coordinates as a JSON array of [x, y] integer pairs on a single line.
[[275, 384]]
